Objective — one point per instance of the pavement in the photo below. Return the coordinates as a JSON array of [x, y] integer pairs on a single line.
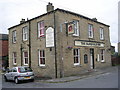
[[81, 76]]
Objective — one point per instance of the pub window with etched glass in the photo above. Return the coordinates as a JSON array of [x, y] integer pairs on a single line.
[[41, 58], [14, 58], [14, 36], [41, 29], [101, 34], [102, 55], [25, 58], [90, 30], [85, 58], [76, 53], [25, 33]]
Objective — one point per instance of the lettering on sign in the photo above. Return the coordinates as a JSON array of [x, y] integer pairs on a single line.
[[88, 44], [50, 37]]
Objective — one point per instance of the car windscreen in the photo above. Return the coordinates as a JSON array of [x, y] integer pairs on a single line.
[[24, 69]]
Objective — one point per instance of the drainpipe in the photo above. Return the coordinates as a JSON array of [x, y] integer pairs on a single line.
[[29, 44], [21, 54], [55, 45]]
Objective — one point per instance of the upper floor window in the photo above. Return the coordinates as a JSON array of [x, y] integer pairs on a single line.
[[14, 36], [25, 58], [41, 29], [76, 53], [90, 30], [41, 58], [76, 28], [25, 33], [14, 58], [101, 34]]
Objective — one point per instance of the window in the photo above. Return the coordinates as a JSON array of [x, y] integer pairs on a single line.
[[14, 58], [76, 54], [90, 30], [41, 29], [76, 28], [98, 57], [41, 58], [102, 55], [25, 58], [25, 33], [14, 36], [14, 70], [85, 58], [101, 34]]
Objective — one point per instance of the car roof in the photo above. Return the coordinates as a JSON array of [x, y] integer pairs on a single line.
[[20, 66]]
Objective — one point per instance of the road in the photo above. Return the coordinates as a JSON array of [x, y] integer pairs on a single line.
[[106, 80]]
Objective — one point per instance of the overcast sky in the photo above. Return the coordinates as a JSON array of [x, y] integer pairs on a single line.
[[106, 11]]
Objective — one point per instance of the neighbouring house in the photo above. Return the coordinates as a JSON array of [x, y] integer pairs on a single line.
[[4, 50], [119, 48], [60, 43], [112, 50]]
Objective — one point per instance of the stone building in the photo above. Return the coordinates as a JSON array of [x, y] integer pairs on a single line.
[[119, 48], [60, 43]]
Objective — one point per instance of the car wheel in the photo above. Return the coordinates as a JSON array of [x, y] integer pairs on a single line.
[[6, 80], [16, 81]]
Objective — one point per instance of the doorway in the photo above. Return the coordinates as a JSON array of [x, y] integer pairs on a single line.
[[92, 64]]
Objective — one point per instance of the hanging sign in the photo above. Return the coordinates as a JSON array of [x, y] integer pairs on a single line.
[[50, 37], [71, 28]]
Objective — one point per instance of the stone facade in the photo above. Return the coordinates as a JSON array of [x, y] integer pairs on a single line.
[[59, 60], [119, 48]]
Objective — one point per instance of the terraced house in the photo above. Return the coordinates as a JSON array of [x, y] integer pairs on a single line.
[[60, 43]]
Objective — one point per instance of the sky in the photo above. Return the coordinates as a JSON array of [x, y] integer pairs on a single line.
[[106, 11]]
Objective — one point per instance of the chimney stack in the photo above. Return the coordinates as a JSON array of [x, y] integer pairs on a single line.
[[22, 21], [50, 7]]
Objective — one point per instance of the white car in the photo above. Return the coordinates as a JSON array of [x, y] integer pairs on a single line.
[[18, 74]]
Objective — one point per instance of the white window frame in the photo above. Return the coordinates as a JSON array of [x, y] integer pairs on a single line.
[[25, 58], [75, 64], [101, 33], [40, 28], [43, 57], [25, 33], [14, 63], [90, 30], [102, 55], [14, 39], [98, 57], [76, 28]]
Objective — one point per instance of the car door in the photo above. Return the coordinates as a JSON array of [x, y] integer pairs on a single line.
[[14, 73], [8, 74]]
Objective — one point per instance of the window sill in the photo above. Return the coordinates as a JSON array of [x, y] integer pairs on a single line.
[[103, 61], [102, 39], [25, 40], [43, 66], [14, 42], [76, 35], [15, 64], [77, 65]]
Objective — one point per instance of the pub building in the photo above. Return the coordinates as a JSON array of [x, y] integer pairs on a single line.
[[60, 43]]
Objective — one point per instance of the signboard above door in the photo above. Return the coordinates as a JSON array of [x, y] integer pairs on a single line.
[[89, 43]]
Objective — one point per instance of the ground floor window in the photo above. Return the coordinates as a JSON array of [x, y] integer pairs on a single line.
[[85, 58], [102, 55], [76, 53], [41, 58], [14, 58], [25, 58]]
